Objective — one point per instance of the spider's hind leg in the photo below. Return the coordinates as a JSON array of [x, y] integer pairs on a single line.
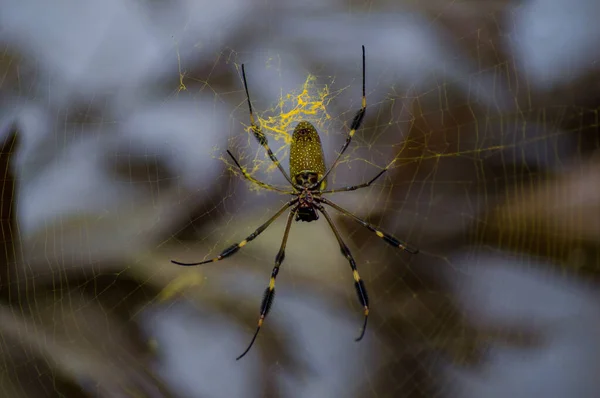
[[260, 136], [356, 123]]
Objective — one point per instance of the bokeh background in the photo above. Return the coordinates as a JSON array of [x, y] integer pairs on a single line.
[[114, 120]]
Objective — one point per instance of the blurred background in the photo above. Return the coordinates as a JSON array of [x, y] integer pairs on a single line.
[[115, 117]]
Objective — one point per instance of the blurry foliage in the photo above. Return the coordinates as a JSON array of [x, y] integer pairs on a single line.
[[521, 178], [66, 328]]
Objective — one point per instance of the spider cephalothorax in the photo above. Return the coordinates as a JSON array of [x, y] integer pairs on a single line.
[[307, 209], [308, 182]]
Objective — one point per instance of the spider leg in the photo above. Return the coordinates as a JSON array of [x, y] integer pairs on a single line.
[[254, 180], [361, 290], [355, 187], [383, 235], [261, 137], [269, 294], [237, 246], [356, 122]]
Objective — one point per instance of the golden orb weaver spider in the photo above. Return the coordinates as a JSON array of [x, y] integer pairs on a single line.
[[307, 168]]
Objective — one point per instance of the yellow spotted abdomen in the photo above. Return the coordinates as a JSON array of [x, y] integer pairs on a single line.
[[306, 154]]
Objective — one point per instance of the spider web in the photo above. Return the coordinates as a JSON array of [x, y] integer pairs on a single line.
[[477, 158], [456, 154]]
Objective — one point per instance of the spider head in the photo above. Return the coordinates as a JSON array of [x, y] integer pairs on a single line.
[[307, 212]]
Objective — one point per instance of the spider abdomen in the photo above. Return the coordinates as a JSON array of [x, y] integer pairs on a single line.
[[307, 163]]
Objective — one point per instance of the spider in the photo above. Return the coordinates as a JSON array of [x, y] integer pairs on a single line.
[[307, 168]]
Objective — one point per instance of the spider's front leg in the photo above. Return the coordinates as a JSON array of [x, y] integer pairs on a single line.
[[231, 250], [361, 290], [269, 294], [388, 238]]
